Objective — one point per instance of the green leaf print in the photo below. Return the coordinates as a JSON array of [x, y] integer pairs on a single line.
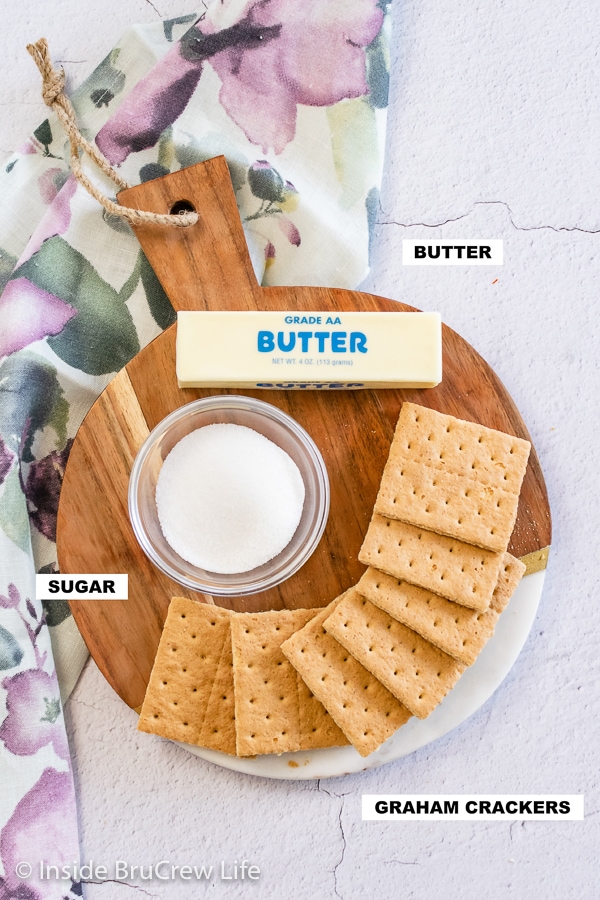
[[59, 419], [105, 82], [7, 264], [166, 149], [43, 133], [372, 207], [265, 182], [101, 338], [160, 305], [131, 283], [30, 399], [378, 72], [14, 520], [10, 652], [189, 151], [52, 710], [55, 611], [180, 20]]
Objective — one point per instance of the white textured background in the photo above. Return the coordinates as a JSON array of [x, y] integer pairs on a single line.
[[494, 132]]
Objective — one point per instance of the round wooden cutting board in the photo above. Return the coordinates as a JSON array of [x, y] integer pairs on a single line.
[[207, 266]]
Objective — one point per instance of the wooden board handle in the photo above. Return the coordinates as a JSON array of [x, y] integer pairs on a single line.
[[198, 265]]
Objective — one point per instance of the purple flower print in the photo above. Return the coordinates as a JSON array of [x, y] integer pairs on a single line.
[[275, 195], [20, 892], [154, 104], [57, 219], [290, 230], [279, 54], [159, 99], [6, 461], [28, 313], [13, 599], [28, 148], [317, 59], [50, 183], [44, 481], [34, 714], [42, 828]]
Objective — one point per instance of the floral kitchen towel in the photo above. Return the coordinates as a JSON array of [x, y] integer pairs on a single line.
[[294, 95]]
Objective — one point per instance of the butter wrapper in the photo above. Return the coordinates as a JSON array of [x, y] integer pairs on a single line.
[[295, 350]]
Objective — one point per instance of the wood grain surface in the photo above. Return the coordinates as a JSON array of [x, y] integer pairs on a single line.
[[207, 266]]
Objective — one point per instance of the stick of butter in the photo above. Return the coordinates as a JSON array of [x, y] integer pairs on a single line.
[[292, 350]]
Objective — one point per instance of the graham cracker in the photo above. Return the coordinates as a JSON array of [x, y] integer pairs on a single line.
[[459, 632], [184, 670], [318, 729], [449, 504], [455, 570], [218, 728], [273, 714], [413, 670], [453, 477], [360, 705], [454, 445], [511, 572]]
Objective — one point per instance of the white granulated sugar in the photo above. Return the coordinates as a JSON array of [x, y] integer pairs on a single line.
[[228, 499]]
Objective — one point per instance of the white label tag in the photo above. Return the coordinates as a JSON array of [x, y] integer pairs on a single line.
[[452, 253], [81, 587]]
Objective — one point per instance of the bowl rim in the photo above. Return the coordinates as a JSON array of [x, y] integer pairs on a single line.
[[301, 437]]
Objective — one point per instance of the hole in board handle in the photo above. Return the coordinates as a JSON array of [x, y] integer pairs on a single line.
[[182, 206]]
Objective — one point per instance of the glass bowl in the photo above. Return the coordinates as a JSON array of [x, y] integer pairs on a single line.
[[275, 425]]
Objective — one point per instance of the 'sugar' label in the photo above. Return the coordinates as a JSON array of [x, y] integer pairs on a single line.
[[452, 253], [81, 587]]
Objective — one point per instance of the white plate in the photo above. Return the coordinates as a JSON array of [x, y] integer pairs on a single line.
[[475, 687]]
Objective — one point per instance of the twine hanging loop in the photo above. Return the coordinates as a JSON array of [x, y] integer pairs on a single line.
[[54, 96]]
